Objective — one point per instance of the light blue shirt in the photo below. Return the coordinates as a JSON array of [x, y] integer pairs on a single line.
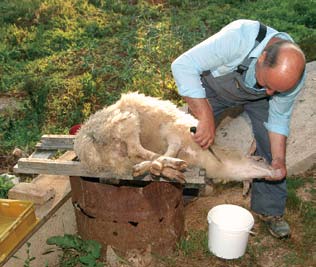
[[221, 54]]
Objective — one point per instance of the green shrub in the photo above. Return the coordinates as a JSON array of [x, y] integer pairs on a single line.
[[5, 185]]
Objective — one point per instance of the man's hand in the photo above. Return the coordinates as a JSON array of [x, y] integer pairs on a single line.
[[205, 132], [278, 148], [279, 168]]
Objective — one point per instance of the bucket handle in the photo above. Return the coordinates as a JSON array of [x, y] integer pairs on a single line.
[[247, 231]]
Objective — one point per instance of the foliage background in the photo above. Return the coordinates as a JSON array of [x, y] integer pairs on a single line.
[[65, 59]]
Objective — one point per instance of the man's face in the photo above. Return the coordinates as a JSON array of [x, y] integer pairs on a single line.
[[272, 80]]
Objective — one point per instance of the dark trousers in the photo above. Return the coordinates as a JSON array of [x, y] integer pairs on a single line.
[[267, 198]]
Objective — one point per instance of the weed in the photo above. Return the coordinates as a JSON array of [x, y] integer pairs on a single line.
[[77, 251], [5, 185], [29, 258]]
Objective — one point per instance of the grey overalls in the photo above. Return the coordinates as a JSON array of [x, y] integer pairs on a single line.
[[268, 198]]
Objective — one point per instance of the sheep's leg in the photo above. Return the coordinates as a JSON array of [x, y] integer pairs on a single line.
[[169, 158], [168, 165], [131, 137], [141, 153], [247, 183]]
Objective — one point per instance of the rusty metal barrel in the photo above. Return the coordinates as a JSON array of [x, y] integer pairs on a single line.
[[129, 217]]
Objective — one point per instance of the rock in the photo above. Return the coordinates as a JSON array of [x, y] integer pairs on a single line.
[[19, 153], [112, 259], [301, 144]]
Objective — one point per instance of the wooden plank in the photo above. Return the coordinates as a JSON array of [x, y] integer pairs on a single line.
[[43, 154], [75, 168], [55, 142]]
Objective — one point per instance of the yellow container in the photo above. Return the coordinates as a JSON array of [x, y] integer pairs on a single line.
[[17, 219]]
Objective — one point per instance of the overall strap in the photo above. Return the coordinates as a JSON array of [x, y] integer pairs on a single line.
[[262, 33], [246, 62]]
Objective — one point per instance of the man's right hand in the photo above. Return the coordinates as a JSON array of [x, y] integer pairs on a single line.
[[205, 132]]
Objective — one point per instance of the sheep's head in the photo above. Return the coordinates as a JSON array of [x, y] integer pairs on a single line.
[[235, 166]]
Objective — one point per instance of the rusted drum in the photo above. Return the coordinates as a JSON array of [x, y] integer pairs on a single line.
[[127, 217]]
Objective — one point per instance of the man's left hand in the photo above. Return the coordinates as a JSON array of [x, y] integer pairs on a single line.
[[279, 168]]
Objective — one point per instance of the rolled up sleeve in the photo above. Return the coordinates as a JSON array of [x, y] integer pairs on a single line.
[[187, 77]]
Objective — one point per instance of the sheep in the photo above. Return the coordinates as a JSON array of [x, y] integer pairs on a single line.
[[140, 134]]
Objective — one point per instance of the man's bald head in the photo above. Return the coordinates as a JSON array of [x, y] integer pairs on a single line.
[[281, 66]]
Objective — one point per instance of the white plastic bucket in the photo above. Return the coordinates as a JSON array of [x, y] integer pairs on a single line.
[[229, 227]]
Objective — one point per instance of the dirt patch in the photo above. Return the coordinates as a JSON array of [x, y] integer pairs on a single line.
[[196, 211], [306, 193], [263, 249], [7, 103]]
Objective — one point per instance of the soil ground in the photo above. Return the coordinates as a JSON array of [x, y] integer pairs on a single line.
[[263, 249]]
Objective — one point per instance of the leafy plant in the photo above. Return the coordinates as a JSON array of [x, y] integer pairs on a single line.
[[29, 259], [5, 185], [77, 251]]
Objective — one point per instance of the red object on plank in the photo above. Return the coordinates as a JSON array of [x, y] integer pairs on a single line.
[[74, 129]]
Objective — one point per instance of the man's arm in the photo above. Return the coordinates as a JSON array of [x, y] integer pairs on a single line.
[[203, 111], [278, 151]]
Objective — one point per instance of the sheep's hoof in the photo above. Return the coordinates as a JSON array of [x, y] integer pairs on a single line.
[[163, 166], [173, 174], [141, 168], [174, 163], [169, 173], [157, 166], [246, 188]]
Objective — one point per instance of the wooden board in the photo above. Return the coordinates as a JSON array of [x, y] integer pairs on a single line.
[[75, 168], [57, 142], [40, 162]]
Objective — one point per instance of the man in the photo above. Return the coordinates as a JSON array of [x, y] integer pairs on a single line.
[[248, 64]]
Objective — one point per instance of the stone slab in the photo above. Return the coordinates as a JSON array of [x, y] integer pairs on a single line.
[[31, 192]]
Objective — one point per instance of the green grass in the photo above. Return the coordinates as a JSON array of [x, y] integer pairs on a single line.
[[195, 241], [68, 58]]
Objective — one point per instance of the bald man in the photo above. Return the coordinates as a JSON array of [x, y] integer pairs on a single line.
[[251, 65]]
